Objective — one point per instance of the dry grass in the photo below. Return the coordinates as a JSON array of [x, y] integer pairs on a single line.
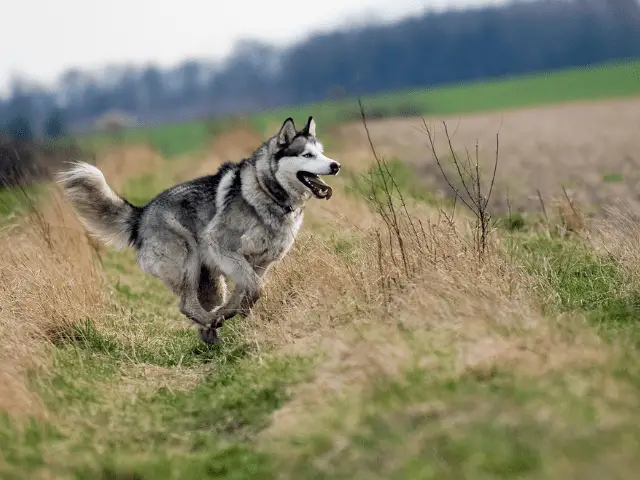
[[408, 289], [618, 235], [418, 297], [122, 163], [228, 146], [49, 281]]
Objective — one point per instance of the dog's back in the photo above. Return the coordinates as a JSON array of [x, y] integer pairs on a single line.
[[191, 203], [115, 221]]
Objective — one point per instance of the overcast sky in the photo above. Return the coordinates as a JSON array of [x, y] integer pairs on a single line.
[[42, 38]]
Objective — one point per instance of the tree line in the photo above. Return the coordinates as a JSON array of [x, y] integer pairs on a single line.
[[430, 49]]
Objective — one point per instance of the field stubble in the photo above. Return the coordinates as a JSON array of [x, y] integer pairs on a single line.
[[591, 148]]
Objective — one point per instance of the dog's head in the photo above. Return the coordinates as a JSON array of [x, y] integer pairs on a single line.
[[301, 161]]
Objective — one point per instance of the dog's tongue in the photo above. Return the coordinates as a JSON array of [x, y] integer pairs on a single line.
[[317, 182], [321, 189]]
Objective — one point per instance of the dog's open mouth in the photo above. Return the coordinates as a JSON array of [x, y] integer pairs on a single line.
[[317, 186]]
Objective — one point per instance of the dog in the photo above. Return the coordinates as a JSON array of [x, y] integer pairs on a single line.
[[232, 225]]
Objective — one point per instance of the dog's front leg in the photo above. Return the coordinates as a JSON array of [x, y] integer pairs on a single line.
[[248, 284]]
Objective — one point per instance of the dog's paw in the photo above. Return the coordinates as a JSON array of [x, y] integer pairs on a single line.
[[218, 322], [209, 335]]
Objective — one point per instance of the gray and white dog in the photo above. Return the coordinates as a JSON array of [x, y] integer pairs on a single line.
[[234, 224]]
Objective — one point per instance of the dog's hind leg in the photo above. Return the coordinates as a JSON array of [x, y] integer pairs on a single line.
[[189, 289], [212, 289], [173, 256], [191, 307], [179, 269]]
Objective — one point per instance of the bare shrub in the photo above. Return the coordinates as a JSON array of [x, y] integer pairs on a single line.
[[472, 191]]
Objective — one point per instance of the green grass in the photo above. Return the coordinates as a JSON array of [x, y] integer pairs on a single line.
[[170, 140], [12, 202], [597, 82], [394, 175], [16, 201], [401, 431], [512, 222], [612, 177], [491, 422], [202, 432], [204, 428], [574, 278], [418, 424], [142, 189]]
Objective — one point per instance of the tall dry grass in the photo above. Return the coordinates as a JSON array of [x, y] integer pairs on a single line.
[[617, 234], [49, 281]]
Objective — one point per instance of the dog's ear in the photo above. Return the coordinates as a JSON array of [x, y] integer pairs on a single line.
[[310, 127], [287, 132]]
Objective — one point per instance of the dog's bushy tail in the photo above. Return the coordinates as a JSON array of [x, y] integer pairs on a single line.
[[104, 213]]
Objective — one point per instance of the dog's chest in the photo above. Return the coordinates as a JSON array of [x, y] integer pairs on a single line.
[[264, 245]]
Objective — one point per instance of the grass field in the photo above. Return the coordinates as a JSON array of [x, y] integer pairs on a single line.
[[597, 82], [378, 351]]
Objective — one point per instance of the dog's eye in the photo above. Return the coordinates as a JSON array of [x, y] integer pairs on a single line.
[[308, 155]]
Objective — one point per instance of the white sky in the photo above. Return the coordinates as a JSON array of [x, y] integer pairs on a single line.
[[42, 38]]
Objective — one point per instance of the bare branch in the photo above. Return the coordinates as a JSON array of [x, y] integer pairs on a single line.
[[470, 176]]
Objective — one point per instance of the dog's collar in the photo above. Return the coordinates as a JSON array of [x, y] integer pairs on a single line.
[[286, 207], [273, 194]]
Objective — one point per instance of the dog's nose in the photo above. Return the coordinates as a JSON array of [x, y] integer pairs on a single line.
[[335, 167]]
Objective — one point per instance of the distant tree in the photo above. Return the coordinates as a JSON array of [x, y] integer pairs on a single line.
[[19, 128], [152, 86], [95, 99], [127, 94], [519, 37], [249, 77], [189, 73], [54, 126]]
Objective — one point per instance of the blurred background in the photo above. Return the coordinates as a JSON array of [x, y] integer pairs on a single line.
[[79, 65]]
